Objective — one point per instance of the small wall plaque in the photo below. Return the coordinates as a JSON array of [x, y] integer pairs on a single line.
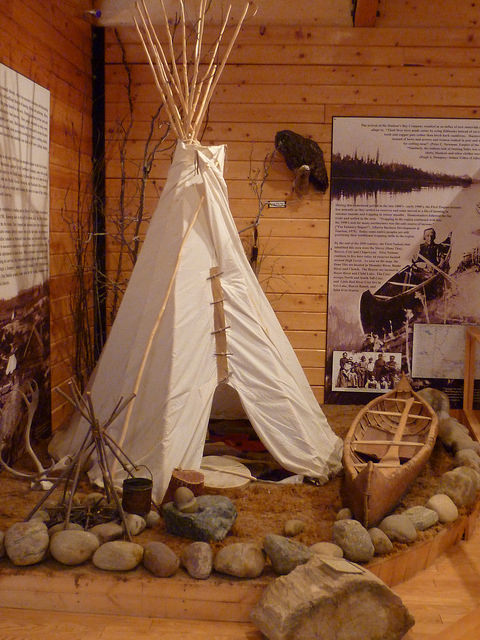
[[277, 204]]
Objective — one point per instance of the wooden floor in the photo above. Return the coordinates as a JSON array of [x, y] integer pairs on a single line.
[[444, 600]]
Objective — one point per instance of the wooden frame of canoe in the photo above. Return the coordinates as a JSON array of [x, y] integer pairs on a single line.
[[386, 447]]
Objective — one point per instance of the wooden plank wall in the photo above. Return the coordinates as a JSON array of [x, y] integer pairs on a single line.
[[298, 78], [49, 41]]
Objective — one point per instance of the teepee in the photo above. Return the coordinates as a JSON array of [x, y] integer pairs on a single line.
[[195, 329]]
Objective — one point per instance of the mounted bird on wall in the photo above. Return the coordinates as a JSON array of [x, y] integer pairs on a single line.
[[305, 158]]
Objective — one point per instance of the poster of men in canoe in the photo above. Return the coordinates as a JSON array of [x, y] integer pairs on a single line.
[[404, 254]]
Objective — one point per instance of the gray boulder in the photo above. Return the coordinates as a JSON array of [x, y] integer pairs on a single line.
[[285, 554], [421, 517], [213, 520], [352, 537]]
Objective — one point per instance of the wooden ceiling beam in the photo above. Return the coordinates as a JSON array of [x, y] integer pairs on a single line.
[[365, 13]]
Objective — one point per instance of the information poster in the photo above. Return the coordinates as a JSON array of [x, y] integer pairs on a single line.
[[24, 255], [404, 270]]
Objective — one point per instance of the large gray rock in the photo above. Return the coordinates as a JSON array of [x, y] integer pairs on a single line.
[[72, 546], [197, 559], [460, 485], [27, 542], [240, 559], [213, 520], [285, 554], [118, 555], [331, 599], [352, 537]]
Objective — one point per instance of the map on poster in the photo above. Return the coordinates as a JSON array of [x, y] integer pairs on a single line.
[[404, 249], [439, 351]]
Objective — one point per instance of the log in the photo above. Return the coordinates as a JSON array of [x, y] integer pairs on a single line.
[[331, 599]]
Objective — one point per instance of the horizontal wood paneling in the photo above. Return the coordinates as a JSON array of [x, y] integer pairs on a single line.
[[299, 77]]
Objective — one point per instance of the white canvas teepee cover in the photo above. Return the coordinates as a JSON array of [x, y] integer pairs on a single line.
[[164, 343]]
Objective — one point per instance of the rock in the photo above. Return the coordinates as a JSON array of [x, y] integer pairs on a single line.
[[331, 599], [344, 514], [455, 436], [72, 547], [41, 515], [444, 506], [352, 537], [152, 519], [467, 458], [293, 527], [160, 560], [2, 544], [327, 549], [285, 554], [118, 555], [399, 528], [381, 542], [60, 526], [421, 517], [107, 531], [197, 559], [240, 559], [93, 499], [27, 542], [438, 400], [460, 485], [215, 517], [136, 524]]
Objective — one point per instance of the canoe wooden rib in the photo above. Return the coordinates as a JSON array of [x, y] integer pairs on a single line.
[[386, 447]]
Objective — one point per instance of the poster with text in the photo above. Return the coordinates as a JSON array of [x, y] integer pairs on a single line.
[[404, 255], [24, 262]]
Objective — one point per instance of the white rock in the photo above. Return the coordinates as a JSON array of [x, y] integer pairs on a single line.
[[136, 524], [72, 547], [107, 531], [152, 519], [118, 555], [444, 506]]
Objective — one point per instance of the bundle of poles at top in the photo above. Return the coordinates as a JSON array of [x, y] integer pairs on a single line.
[[185, 89]]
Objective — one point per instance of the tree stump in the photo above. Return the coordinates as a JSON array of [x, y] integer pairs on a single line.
[[194, 480], [330, 599]]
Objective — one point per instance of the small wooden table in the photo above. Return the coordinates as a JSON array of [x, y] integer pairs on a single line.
[[472, 336]]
